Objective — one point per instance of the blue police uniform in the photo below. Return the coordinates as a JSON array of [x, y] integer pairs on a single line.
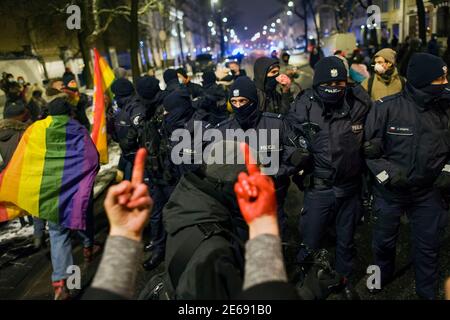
[[411, 134], [334, 138]]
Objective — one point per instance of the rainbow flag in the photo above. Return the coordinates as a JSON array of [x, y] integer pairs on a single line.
[[103, 79], [51, 174]]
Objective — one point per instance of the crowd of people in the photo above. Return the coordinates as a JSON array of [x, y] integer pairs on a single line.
[[363, 133]]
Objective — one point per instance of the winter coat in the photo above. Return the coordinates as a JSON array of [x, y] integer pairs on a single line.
[[413, 136], [11, 132], [334, 137], [384, 87], [273, 102], [213, 271]]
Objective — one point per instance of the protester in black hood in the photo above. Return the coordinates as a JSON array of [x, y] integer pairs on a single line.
[[194, 89], [267, 70], [329, 122], [408, 152]]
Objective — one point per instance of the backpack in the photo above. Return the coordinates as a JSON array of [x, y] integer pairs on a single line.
[[164, 286]]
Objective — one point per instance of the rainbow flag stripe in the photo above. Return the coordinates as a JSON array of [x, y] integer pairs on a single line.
[[52, 174]]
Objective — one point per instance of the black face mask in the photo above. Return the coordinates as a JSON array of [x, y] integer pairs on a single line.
[[246, 115], [331, 95], [271, 83], [435, 90]]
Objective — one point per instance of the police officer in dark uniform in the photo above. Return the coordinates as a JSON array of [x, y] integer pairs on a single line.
[[127, 120], [408, 152], [329, 118], [177, 112], [274, 142]]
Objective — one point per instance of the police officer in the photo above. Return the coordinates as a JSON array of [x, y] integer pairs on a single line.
[[329, 119], [273, 137], [407, 150], [127, 119], [177, 112]]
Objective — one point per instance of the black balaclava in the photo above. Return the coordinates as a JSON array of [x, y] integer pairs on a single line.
[[423, 69], [179, 107], [247, 115]]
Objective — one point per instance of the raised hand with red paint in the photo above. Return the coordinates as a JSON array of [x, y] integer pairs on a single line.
[[128, 205], [257, 199]]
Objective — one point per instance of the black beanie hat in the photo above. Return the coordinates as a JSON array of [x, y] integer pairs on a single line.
[[178, 100], [122, 88], [148, 87], [329, 69], [209, 78], [183, 72], [170, 75], [14, 109], [244, 87], [59, 107], [424, 68]]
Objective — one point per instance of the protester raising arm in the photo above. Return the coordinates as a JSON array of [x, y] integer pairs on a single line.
[[265, 272], [128, 206]]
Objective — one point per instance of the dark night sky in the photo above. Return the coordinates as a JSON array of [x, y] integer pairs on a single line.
[[254, 13]]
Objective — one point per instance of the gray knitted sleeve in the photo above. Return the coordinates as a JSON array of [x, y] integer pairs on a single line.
[[118, 269], [264, 261]]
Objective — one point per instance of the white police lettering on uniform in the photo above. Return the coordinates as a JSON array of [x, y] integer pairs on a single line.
[[137, 120]]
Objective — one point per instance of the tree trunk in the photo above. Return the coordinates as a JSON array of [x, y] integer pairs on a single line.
[[316, 25], [86, 54], [134, 45], [422, 25], [305, 23]]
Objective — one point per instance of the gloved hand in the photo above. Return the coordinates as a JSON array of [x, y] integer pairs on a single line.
[[256, 198], [372, 150], [301, 159], [399, 180], [443, 182]]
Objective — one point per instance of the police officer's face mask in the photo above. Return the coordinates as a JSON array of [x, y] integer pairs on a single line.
[[331, 94], [436, 90]]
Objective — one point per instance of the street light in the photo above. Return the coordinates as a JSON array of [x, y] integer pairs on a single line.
[[225, 20], [278, 20], [265, 28], [291, 4], [245, 28], [273, 25], [210, 24], [289, 13]]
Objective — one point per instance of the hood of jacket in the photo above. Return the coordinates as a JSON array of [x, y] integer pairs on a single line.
[[261, 69], [190, 205], [9, 128]]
